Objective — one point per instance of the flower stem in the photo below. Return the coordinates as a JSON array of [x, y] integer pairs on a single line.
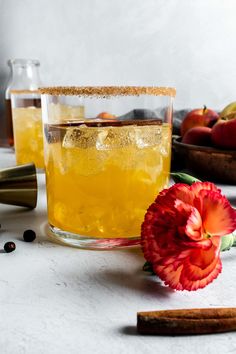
[[180, 177]]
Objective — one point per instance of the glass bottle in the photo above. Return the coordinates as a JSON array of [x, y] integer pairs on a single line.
[[24, 75]]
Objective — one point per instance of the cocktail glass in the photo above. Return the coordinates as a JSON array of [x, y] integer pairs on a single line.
[[107, 156]]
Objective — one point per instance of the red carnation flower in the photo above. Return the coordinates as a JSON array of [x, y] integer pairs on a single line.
[[181, 234]]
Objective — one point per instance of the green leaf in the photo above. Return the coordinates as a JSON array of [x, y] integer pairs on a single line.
[[227, 242], [180, 177]]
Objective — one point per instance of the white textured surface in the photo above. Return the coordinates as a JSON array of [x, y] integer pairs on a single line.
[[189, 44], [56, 299]]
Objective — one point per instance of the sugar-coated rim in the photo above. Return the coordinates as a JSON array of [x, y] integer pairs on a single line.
[[107, 91]]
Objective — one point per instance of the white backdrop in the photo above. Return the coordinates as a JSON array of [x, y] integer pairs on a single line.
[[189, 44]]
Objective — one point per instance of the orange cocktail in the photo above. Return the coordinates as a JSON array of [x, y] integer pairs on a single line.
[[27, 127], [102, 175], [102, 179]]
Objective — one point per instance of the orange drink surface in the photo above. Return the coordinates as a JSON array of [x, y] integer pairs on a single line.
[[28, 135], [101, 179]]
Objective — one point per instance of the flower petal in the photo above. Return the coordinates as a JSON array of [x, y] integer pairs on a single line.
[[197, 187], [185, 276], [178, 191], [204, 244], [219, 218], [190, 285]]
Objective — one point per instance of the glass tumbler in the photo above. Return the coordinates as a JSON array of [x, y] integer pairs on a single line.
[[27, 127], [107, 156], [24, 75]]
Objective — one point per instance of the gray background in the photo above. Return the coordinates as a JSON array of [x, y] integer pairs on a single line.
[[188, 44]]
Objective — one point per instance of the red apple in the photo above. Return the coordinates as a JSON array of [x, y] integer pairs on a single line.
[[106, 115], [198, 117], [224, 134], [198, 136]]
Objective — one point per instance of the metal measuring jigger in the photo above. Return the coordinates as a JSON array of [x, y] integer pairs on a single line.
[[18, 186]]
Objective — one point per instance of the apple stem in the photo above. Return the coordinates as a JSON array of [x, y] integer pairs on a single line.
[[204, 108]]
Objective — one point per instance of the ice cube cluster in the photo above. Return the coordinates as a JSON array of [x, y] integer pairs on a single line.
[[108, 138]]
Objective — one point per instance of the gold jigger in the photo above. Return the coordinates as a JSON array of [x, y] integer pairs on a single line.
[[18, 186]]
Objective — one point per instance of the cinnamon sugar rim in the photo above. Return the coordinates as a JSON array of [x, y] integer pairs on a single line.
[[107, 91]]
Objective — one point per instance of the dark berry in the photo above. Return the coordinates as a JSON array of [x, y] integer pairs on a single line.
[[29, 235], [9, 247]]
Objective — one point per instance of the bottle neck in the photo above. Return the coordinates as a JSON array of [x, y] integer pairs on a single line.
[[23, 76]]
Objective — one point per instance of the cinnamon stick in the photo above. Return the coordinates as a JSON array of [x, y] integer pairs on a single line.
[[187, 321]]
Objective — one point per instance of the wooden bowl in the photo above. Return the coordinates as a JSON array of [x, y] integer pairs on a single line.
[[208, 163]]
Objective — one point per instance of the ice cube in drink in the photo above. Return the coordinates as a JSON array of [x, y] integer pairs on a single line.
[[101, 179], [27, 126]]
